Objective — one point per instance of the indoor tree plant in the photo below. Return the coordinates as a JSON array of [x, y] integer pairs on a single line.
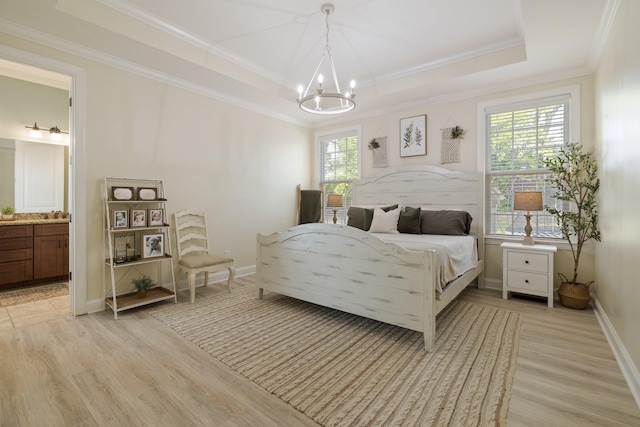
[[574, 178]]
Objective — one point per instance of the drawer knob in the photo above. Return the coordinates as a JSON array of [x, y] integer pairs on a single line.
[[526, 280], [526, 261]]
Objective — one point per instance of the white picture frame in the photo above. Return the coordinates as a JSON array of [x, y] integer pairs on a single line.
[[152, 245]]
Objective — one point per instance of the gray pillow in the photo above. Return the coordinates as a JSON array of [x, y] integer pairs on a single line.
[[359, 218], [409, 221], [453, 223]]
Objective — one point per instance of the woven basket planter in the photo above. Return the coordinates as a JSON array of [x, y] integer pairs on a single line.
[[574, 296]]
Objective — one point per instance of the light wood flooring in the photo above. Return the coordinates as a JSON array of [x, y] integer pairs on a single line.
[[95, 371]]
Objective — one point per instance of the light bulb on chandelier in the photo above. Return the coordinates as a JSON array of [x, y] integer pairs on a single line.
[[323, 101]]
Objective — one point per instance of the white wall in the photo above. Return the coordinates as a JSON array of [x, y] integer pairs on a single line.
[[242, 168], [617, 88], [464, 113]]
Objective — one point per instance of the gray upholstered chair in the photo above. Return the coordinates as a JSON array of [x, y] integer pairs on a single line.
[[193, 250]]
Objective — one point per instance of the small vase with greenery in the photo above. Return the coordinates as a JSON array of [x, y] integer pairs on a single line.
[[143, 284], [574, 177], [7, 212], [457, 132]]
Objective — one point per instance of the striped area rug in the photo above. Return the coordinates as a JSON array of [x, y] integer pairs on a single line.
[[345, 370]]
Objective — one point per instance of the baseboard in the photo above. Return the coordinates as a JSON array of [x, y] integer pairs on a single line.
[[96, 305], [493, 284], [629, 370]]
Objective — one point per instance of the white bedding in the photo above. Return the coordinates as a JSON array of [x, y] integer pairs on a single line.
[[456, 254]]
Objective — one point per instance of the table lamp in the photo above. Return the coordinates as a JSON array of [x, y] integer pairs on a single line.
[[527, 201], [334, 201]]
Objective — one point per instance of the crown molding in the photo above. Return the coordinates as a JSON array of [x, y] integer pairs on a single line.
[[609, 15], [145, 17], [67, 46], [451, 59], [462, 95]]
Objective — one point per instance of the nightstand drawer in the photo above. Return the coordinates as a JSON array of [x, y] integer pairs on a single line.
[[527, 261], [527, 281]]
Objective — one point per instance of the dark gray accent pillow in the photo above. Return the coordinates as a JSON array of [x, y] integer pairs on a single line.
[[368, 218], [452, 223], [356, 217], [361, 217], [409, 221]]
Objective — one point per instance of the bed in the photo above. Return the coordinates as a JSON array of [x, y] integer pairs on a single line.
[[355, 271]]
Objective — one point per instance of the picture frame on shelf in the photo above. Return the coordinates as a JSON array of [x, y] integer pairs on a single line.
[[152, 245], [156, 217], [413, 136], [122, 193], [138, 218], [147, 193], [124, 247], [120, 218]]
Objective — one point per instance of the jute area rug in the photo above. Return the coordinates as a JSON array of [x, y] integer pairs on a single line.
[[345, 370], [21, 296]]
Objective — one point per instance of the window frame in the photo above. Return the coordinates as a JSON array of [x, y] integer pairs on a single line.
[[318, 167], [512, 103]]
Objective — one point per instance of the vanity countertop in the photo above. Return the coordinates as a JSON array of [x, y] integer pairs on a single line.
[[36, 218], [32, 221]]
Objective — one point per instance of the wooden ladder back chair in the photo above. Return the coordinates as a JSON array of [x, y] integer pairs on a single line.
[[193, 250]]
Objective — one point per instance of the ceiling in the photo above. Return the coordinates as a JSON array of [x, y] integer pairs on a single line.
[[254, 53]]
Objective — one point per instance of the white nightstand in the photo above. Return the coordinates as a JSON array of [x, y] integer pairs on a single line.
[[528, 269]]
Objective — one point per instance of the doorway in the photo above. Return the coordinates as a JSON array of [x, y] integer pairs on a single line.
[[76, 174]]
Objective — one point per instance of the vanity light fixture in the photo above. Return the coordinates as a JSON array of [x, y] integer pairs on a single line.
[[36, 132]]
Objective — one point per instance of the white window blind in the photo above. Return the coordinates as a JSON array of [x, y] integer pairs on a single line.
[[339, 168], [519, 138]]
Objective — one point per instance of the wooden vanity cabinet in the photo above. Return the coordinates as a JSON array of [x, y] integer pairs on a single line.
[[16, 255], [51, 251]]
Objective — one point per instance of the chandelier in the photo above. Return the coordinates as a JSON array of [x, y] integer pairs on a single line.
[[324, 101]]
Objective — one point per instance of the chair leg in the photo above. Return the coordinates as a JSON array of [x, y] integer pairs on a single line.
[[206, 279], [232, 273], [192, 287]]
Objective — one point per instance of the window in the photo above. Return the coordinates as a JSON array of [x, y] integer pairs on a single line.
[[519, 136], [339, 166]]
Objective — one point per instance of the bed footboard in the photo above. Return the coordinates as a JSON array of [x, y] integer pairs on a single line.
[[349, 270]]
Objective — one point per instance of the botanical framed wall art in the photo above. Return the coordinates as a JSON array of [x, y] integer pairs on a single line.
[[413, 136]]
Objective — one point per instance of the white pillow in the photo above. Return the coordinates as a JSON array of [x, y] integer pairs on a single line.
[[385, 222]]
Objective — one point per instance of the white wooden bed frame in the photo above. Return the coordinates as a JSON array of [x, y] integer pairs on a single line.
[[350, 270]]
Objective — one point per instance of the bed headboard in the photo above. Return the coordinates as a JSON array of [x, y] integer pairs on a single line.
[[428, 187]]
